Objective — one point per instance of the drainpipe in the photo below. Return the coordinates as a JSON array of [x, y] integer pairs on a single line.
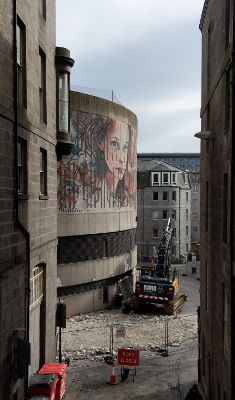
[[232, 246], [17, 220]]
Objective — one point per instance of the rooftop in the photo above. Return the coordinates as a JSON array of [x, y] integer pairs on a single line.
[[170, 155], [155, 165]]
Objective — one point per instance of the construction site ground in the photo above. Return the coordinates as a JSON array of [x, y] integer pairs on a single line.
[[86, 342]]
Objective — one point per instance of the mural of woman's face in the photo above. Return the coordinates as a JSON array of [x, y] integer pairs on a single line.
[[116, 153], [69, 187]]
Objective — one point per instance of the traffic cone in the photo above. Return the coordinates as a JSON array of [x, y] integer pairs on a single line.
[[113, 378]]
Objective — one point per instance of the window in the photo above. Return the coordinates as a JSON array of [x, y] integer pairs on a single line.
[[21, 62], [155, 195], [186, 247], [105, 294], [63, 102], [42, 85], [155, 214], [36, 285], [173, 214], [195, 178], [194, 228], [165, 196], [155, 233], [174, 195], [186, 196], [43, 172], [166, 176], [174, 250], [186, 230], [155, 179], [225, 207], [164, 214], [42, 8], [186, 179], [22, 166], [186, 213], [195, 188], [173, 178], [174, 232], [195, 215]]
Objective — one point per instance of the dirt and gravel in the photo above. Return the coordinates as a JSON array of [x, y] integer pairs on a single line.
[[86, 341], [87, 336]]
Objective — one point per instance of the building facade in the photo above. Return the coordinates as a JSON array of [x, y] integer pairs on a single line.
[[96, 203], [28, 179], [195, 216], [164, 191], [190, 162], [217, 256]]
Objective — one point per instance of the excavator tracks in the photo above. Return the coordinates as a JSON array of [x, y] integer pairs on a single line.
[[174, 305]]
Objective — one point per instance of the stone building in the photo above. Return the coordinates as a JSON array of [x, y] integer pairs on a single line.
[[195, 215], [164, 191], [190, 162], [28, 194], [217, 310], [96, 203]]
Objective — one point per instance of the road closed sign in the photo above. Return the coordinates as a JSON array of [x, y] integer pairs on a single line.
[[129, 357]]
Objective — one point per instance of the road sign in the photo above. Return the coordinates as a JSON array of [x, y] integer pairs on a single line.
[[128, 357]]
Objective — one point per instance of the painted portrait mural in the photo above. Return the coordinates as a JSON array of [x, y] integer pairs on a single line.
[[101, 171]]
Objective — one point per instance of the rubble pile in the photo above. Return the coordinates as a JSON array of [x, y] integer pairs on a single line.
[[87, 336]]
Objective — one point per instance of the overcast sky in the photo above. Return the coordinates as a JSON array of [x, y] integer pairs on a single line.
[[149, 53]]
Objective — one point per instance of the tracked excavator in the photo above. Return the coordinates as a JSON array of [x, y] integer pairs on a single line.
[[158, 283]]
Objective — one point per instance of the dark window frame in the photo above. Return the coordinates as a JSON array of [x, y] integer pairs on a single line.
[[155, 196], [42, 86], [164, 196], [22, 166], [155, 230], [43, 172], [164, 212], [63, 72]]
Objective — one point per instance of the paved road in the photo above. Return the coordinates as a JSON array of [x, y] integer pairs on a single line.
[[157, 377]]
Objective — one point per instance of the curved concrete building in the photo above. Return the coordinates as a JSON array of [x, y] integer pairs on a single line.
[[96, 203]]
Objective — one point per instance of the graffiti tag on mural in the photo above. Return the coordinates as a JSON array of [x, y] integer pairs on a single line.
[[101, 171]]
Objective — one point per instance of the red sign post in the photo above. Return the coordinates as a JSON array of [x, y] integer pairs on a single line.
[[129, 357]]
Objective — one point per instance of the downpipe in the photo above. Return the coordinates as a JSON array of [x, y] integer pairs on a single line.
[[18, 223], [232, 219]]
